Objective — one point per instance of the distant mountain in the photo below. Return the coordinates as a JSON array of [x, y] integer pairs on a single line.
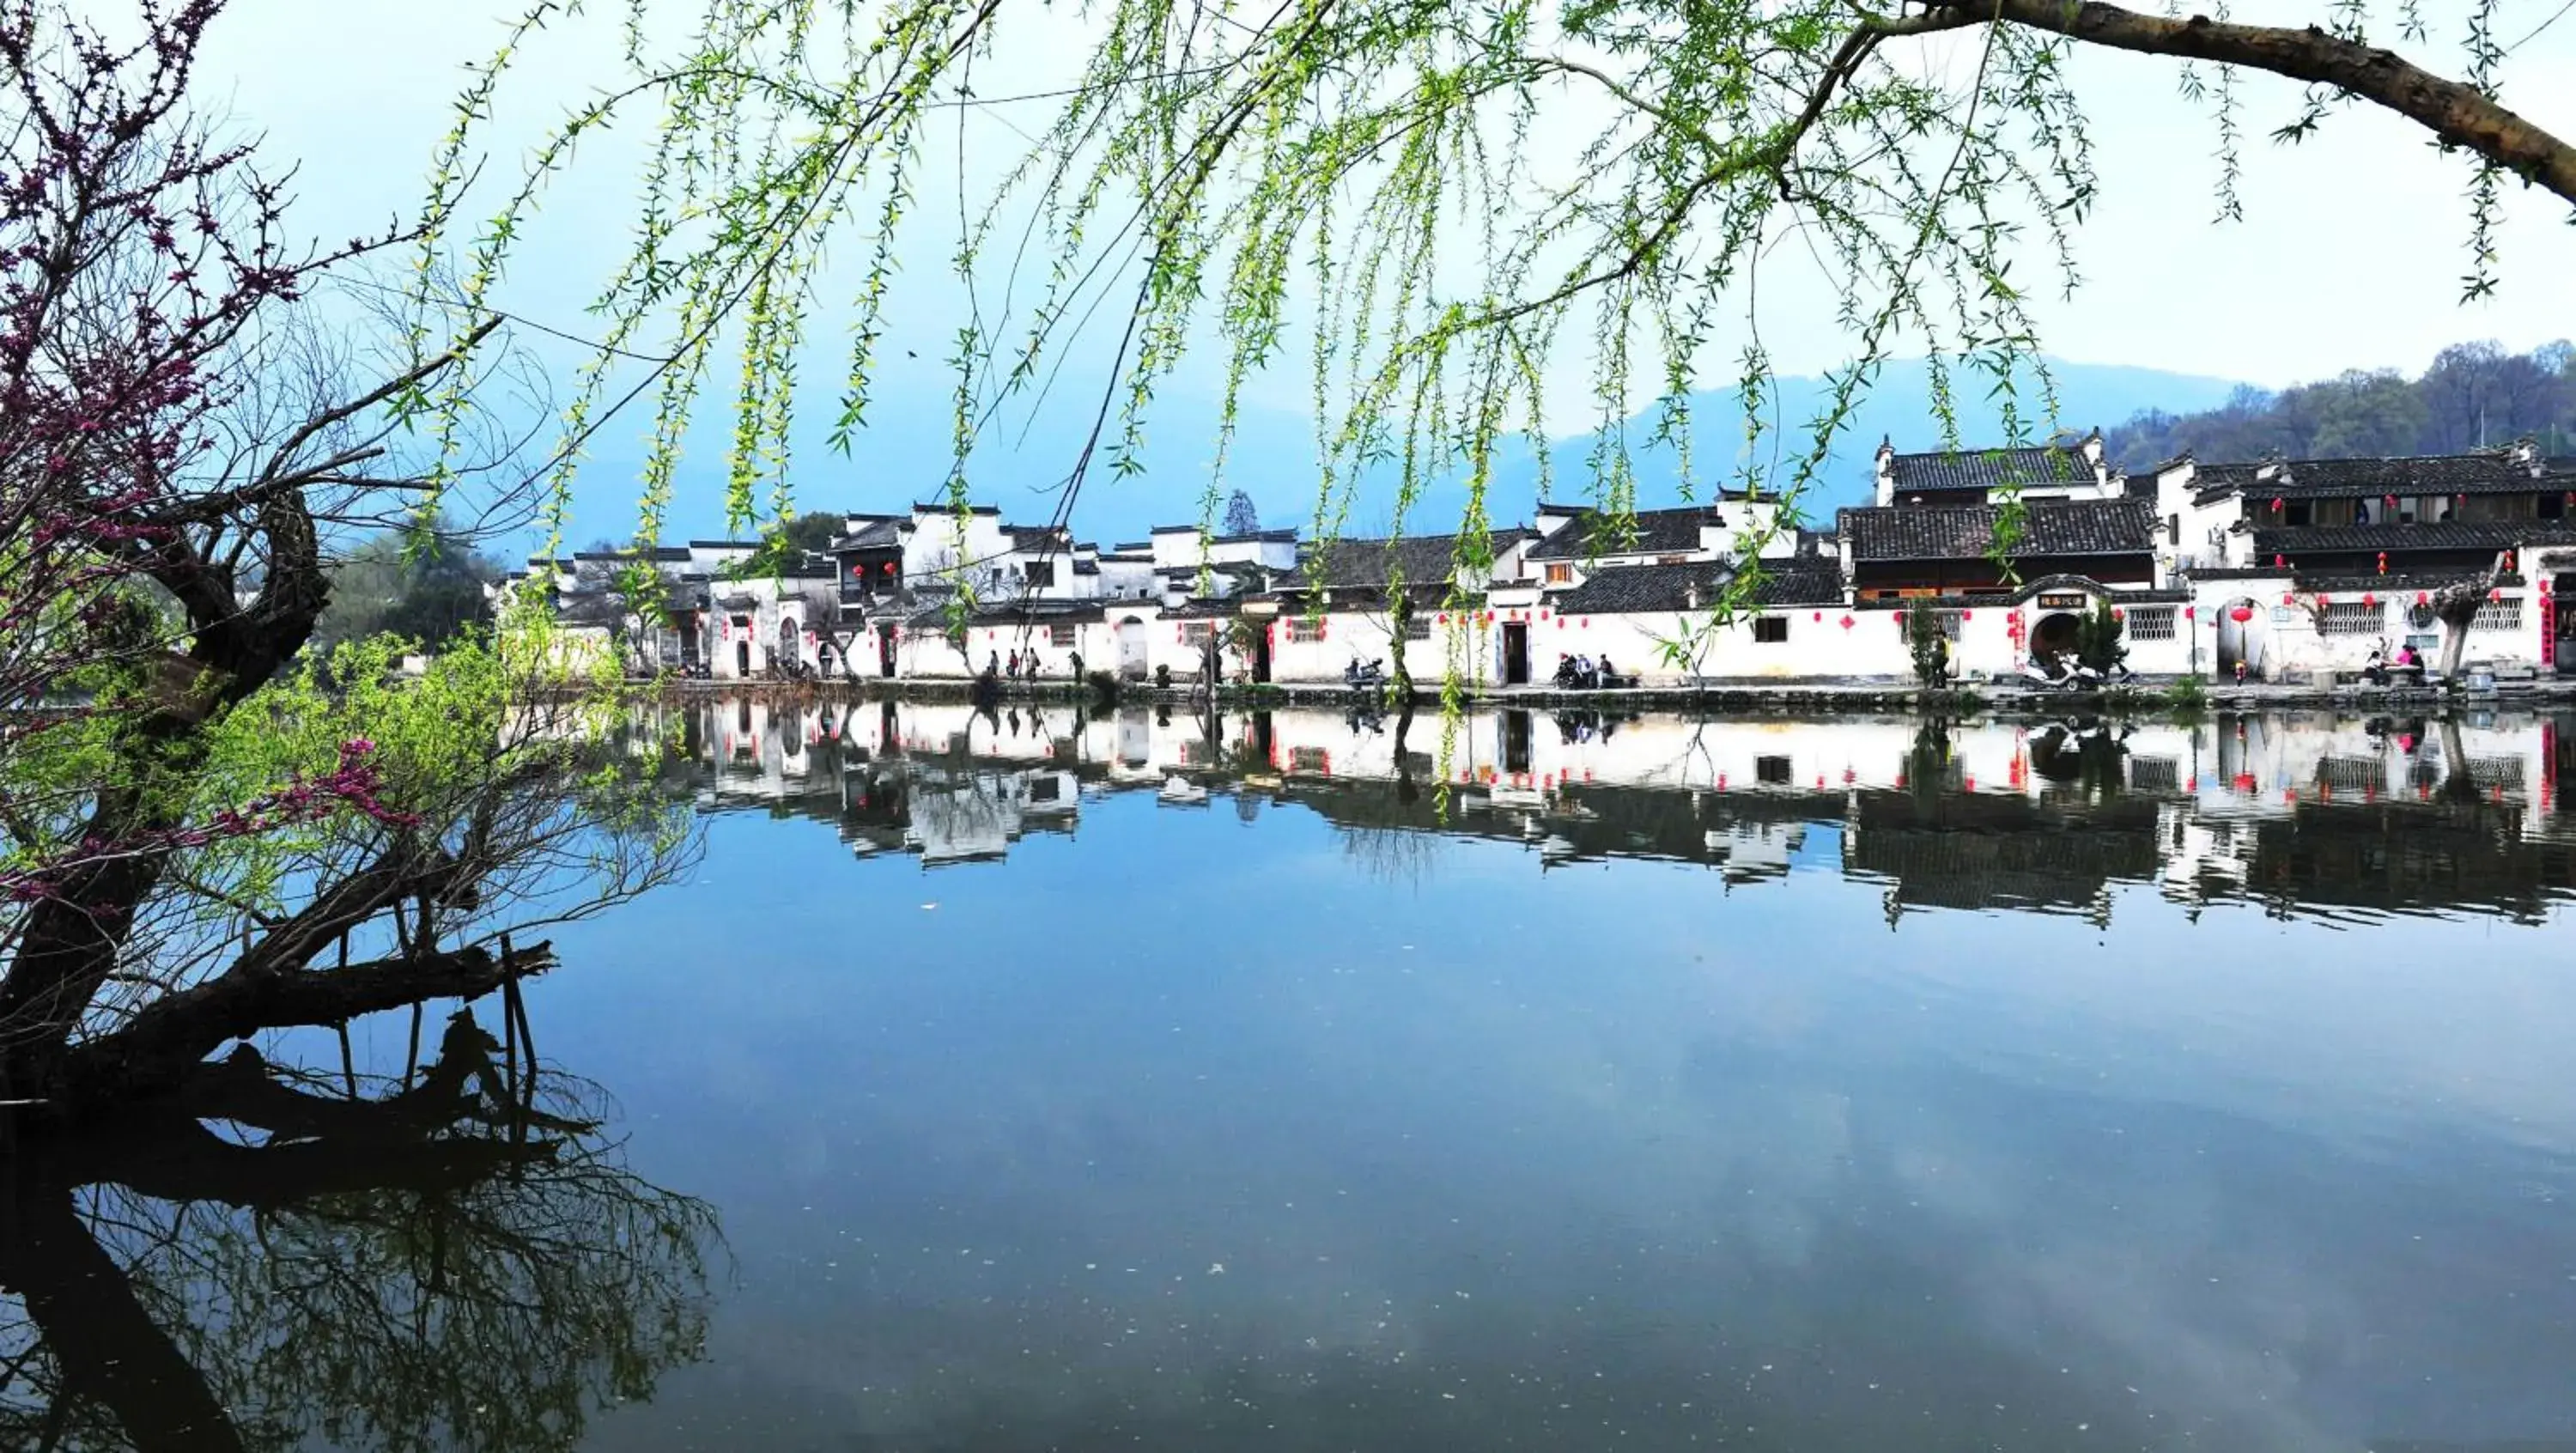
[[2474, 395], [906, 458]]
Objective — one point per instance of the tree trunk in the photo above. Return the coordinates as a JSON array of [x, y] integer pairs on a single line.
[[2457, 606], [2457, 114]]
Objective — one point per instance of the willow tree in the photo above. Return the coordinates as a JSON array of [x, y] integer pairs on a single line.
[[1429, 201]]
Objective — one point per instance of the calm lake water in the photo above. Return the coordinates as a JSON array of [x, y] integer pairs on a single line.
[[1110, 1082]]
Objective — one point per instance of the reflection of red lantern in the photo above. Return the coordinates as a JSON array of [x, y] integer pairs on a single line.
[[2383, 562], [2241, 614], [1847, 623]]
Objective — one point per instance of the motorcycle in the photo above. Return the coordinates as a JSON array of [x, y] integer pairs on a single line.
[[1364, 676]]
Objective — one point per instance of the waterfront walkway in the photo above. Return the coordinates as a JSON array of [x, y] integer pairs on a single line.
[[1802, 698]]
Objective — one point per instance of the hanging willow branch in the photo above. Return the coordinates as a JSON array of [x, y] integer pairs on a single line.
[[1385, 176]]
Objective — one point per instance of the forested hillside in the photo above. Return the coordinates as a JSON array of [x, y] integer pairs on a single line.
[[2473, 395]]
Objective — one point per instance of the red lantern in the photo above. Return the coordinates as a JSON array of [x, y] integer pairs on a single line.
[[2119, 614], [1444, 618], [887, 568], [1967, 615], [2191, 612], [2369, 599], [2276, 504], [1847, 623], [2241, 614], [2423, 597], [1820, 615], [2280, 563]]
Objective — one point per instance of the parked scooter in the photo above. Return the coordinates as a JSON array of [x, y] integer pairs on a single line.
[[2062, 678], [1369, 675]]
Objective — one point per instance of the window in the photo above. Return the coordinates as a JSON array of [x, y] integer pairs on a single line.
[[1198, 633], [2297, 512], [2351, 618], [1048, 788], [1060, 635], [1038, 574], [1770, 630], [2420, 617], [1773, 771], [1305, 628], [2151, 623], [2499, 615], [1309, 759], [1947, 620], [1560, 575], [1417, 628]]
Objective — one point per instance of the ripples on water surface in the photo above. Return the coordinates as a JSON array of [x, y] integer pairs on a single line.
[[1086, 1083]]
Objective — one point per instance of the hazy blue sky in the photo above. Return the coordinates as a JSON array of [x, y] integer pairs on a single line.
[[2350, 255]]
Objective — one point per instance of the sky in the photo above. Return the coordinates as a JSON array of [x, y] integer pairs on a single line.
[[2350, 253]]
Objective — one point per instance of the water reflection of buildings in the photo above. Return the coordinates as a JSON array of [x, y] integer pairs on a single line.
[[2316, 814]]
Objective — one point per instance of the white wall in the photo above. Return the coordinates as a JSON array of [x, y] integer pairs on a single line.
[[2286, 644]]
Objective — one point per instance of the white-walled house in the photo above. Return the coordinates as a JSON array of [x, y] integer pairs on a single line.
[[2301, 568]]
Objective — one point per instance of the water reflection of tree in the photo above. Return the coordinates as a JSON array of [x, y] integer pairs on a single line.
[[462, 1263]]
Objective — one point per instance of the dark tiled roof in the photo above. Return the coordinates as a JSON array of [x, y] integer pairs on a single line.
[[1426, 559], [2404, 582], [1800, 580], [1657, 532], [1643, 588], [1025, 536], [1965, 532], [1283, 536], [724, 544], [2487, 471], [945, 508], [660, 554], [883, 534], [2294, 540], [2041, 467]]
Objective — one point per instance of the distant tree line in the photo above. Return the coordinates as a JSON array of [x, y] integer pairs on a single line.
[[425, 587], [2475, 395]]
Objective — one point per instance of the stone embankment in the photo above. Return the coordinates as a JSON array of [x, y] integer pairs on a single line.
[[1818, 699]]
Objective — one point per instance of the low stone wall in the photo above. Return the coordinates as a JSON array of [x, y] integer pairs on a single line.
[[1847, 699]]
